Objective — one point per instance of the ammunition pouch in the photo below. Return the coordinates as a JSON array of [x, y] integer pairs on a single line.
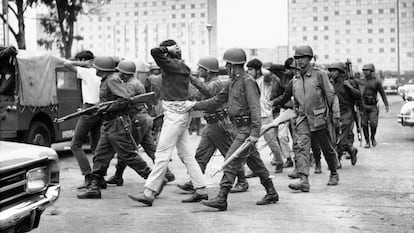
[[240, 121], [370, 101], [213, 118]]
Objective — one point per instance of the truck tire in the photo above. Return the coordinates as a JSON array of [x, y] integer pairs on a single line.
[[38, 134]]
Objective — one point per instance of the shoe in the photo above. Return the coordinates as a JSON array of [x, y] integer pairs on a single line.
[[367, 145], [93, 191], [279, 168], [318, 167], [239, 188], [188, 186], [333, 179], [374, 142], [141, 198], [219, 202], [163, 183], [273, 162], [354, 156], [251, 175], [86, 183], [271, 194], [169, 176], [339, 165], [303, 184], [196, 197], [118, 181], [293, 175], [102, 183], [288, 163]]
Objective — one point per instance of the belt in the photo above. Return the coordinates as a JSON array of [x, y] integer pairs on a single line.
[[240, 121], [212, 118]]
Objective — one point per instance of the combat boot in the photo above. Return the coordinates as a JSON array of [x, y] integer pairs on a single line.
[[279, 167], [219, 202], [169, 175], [294, 174], [318, 167], [303, 184], [374, 142], [353, 155], [86, 183], [188, 186], [368, 144], [240, 187], [288, 163], [93, 191], [333, 179], [118, 181], [271, 194]]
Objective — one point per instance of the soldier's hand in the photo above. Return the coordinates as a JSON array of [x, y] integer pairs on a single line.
[[387, 108], [348, 83], [252, 139]]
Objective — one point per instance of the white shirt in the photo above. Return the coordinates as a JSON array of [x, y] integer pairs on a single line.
[[90, 84], [265, 92]]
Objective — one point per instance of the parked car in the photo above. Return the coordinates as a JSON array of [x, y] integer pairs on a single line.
[[29, 183], [406, 92], [390, 85], [406, 116]]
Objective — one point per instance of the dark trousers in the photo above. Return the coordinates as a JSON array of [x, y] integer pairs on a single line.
[[86, 124], [113, 139], [369, 120], [215, 136], [304, 138], [251, 157]]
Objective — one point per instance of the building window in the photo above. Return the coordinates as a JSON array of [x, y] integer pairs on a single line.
[[145, 12], [203, 14], [359, 60], [326, 37], [392, 10], [108, 19], [326, 56], [403, 15], [183, 6], [347, 31], [202, 5], [293, 1], [381, 30], [315, 9], [315, 18], [359, 41], [304, 38], [369, 11], [325, 18], [315, 37], [336, 12], [392, 50], [154, 3], [358, 12], [369, 21], [183, 16], [381, 50], [173, 16], [326, 27], [192, 15], [348, 22], [370, 31], [392, 30], [370, 50], [304, 29], [315, 28], [117, 14], [173, 25], [315, 0], [381, 40], [136, 13], [392, 39], [369, 40], [381, 11], [192, 6], [145, 3], [182, 25], [173, 7], [337, 42], [325, 8], [126, 13], [164, 3]]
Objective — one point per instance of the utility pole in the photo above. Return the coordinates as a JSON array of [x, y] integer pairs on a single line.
[[209, 28], [398, 37], [6, 24]]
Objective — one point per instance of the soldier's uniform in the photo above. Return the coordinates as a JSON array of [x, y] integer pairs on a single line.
[[114, 137], [370, 87]]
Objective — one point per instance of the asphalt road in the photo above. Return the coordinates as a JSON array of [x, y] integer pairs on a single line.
[[376, 195]]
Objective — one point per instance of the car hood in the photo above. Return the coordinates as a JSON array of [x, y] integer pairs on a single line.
[[407, 107], [12, 153]]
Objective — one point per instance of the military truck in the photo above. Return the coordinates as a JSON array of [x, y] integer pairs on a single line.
[[42, 91]]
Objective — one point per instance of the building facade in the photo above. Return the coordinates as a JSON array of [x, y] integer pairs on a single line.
[[365, 31], [130, 28]]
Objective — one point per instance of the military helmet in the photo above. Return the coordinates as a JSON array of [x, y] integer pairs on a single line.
[[154, 67], [104, 63], [126, 67], [337, 65], [209, 63], [235, 56], [304, 50], [369, 66], [255, 64]]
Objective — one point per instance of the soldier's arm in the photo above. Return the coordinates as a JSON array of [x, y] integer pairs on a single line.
[[215, 101], [71, 65], [284, 98], [382, 93], [330, 95], [353, 88], [253, 101], [208, 90], [117, 88]]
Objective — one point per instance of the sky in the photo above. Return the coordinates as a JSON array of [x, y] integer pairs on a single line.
[[252, 23]]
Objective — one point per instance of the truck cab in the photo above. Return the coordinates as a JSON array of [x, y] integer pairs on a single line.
[[44, 90]]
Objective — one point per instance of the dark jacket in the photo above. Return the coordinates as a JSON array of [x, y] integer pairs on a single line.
[[175, 76], [370, 88], [242, 96], [209, 89]]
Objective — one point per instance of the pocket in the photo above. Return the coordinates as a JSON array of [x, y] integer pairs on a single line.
[[319, 117]]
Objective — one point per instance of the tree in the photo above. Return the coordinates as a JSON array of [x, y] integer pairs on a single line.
[[59, 24], [18, 12]]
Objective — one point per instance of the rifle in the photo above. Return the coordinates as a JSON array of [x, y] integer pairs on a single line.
[[284, 116], [144, 98], [355, 110]]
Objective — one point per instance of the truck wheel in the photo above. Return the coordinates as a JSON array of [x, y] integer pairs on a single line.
[[38, 134]]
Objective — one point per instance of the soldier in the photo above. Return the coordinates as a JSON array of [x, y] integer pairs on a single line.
[[114, 137], [89, 123], [314, 99], [142, 123], [216, 135], [174, 133], [370, 86], [267, 87], [348, 94], [242, 96]]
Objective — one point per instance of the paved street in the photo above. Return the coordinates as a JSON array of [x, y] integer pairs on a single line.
[[376, 195]]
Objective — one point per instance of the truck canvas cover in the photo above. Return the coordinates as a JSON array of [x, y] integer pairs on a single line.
[[37, 82]]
